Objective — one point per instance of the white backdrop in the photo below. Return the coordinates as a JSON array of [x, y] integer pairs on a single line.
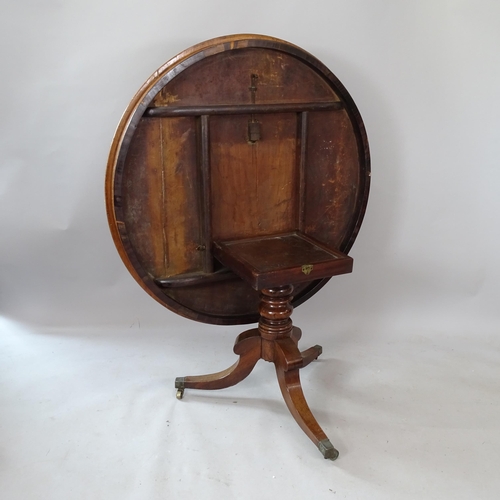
[[425, 76]]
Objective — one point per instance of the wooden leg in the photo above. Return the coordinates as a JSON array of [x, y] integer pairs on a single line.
[[248, 346], [311, 354], [288, 362], [296, 334], [275, 340]]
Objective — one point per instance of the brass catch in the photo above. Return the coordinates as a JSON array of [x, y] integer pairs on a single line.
[[253, 131], [307, 268]]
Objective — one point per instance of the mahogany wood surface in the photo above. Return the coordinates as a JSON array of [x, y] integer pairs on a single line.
[[269, 261], [238, 137], [275, 340], [236, 184]]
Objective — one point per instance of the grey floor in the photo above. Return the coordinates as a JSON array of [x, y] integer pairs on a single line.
[[91, 414]]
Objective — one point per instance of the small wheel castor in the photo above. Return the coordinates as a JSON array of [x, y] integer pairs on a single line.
[[179, 394]]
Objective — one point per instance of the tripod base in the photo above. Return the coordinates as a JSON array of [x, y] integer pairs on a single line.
[[275, 340]]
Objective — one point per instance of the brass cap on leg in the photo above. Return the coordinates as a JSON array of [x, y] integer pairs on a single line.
[[327, 449]]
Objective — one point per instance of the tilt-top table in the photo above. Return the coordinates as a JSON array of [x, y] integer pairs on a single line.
[[236, 185]]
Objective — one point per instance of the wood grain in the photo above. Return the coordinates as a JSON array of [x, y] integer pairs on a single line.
[[172, 186], [253, 185]]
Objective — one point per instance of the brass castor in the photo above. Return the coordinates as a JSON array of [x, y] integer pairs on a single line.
[[327, 449], [179, 385]]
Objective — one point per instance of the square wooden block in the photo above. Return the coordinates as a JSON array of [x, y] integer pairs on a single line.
[[281, 259]]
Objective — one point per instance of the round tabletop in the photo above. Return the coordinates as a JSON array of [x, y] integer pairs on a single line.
[[238, 137]]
